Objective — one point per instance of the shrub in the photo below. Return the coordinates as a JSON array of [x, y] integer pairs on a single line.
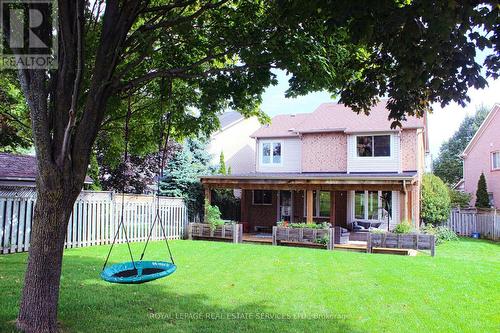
[[403, 228], [459, 199], [442, 233], [482, 197], [435, 200], [213, 215], [323, 240], [324, 225]]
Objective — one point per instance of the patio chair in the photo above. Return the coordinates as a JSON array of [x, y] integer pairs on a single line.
[[341, 235]]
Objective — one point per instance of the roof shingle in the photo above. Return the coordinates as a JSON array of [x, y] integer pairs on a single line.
[[334, 117]]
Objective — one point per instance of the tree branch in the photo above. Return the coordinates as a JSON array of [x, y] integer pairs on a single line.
[[76, 85]]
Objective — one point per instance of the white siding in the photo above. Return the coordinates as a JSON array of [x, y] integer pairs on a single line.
[[237, 145], [290, 156], [374, 164], [395, 210]]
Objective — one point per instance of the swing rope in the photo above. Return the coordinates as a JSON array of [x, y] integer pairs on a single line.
[[161, 166], [121, 224]]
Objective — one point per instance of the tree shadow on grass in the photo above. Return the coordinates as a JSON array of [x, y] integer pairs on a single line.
[[88, 304]]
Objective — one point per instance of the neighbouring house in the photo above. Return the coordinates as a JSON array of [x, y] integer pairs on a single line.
[[20, 171], [332, 165], [233, 139], [482, 155]]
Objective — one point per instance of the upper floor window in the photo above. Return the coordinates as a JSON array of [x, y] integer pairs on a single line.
[[373, 145], [271, 152], [495, 160]]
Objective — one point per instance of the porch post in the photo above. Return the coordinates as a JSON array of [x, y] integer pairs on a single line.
[[208, 199], [243, 207], [332, 208], [309, 210]]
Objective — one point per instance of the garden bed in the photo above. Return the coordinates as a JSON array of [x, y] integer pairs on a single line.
[[412, 241], [229, 232], [310, 237]]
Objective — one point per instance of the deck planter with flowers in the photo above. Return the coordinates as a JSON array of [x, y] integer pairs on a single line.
[[313, 237], [227, 232]]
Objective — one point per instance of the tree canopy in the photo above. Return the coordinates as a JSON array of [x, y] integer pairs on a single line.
[[448, 165]]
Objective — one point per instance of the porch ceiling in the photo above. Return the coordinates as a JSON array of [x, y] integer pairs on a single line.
[[305, 181]]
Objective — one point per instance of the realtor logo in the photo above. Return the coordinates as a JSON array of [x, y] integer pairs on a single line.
[[29, 34]]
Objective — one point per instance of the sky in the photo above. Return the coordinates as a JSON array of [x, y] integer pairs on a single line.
[[443, 122]]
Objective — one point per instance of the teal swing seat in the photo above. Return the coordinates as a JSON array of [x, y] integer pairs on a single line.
[[137, 272]]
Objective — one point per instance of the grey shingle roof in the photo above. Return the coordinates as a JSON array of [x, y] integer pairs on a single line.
[[20, 167]]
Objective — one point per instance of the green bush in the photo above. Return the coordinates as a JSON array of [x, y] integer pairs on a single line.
[[403, 228], [482, 197], [442, 233], [435, 200], [459, 199], [323, 240], [324, 225], [213, 215]]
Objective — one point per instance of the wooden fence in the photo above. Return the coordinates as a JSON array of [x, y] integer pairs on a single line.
[[464, 223], [94, 220]]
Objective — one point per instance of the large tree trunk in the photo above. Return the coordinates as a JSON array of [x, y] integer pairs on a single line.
[[38, 309]]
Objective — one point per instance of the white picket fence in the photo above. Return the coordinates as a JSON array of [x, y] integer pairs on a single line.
[[464, 223], [94, 220]]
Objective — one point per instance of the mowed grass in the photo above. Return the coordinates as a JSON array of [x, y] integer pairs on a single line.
[[220, 287]]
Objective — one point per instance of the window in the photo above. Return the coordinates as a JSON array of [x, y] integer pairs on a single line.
[[321, 203], [262, 197], [495, 160], [373, 146], [359, 205], [492, 199], [324, 203], [369, 205], [271, 153]]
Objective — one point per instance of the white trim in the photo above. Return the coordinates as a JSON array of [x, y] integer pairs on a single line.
[[373, 157], [379, 206], [261, 153], [492, 154]]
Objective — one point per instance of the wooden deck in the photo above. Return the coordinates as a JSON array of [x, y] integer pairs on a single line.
[[354, 246]]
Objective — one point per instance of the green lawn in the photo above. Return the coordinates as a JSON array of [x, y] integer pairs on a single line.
[[240, 287]]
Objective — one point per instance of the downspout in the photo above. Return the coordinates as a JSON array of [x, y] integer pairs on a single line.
[[406, 201]]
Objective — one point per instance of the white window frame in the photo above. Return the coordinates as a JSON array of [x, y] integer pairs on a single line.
[[380, 216], [391, 146], [493, 154], [316, 204], [271, 161], [261, 204]]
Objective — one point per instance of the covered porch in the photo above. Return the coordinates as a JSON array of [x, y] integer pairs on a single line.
[[343, 200]]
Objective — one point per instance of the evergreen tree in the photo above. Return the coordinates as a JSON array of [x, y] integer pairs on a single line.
[[229, 170], [482, 198], [448, 165], [222, 164], [181, 176]]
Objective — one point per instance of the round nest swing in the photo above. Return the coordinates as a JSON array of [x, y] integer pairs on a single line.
[[137, 272]]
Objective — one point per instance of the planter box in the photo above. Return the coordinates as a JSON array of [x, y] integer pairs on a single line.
[[306, 236], [230, 232], [401, 241]]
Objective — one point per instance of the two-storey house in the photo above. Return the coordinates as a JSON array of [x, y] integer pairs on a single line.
[[332, 165], [482, 155]]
